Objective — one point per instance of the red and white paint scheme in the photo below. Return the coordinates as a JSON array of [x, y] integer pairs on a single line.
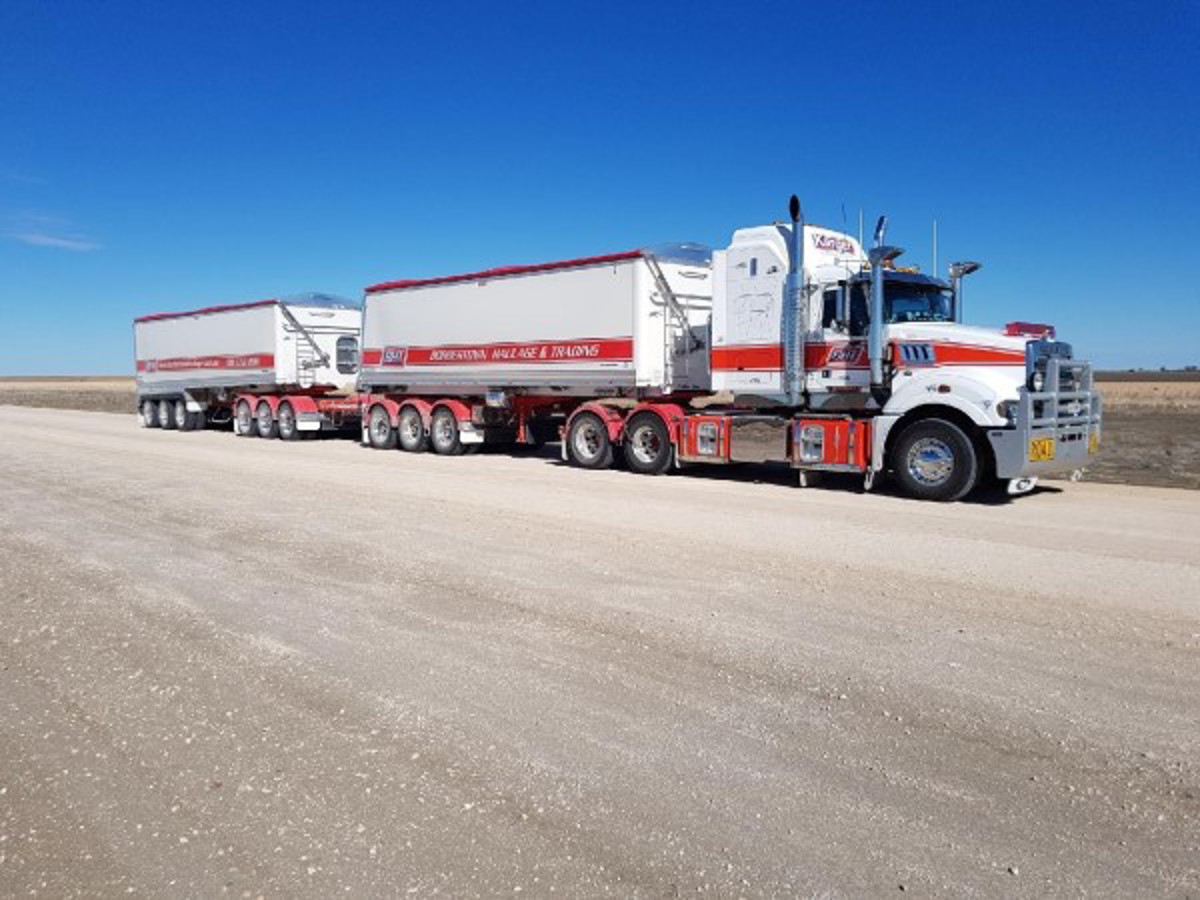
[[193, 366], [793, 344]]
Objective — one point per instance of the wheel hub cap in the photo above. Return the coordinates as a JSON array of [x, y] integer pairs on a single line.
[[930, 461]]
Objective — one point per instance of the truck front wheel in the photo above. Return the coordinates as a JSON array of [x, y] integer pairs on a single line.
[[647, 444], [934, 460], [588, 445]]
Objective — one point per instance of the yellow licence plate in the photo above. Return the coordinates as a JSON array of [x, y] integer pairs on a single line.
[[1041, 450], [1094, 443]]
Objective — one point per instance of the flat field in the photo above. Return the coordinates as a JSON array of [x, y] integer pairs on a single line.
[[233, 667], [1151, 435]]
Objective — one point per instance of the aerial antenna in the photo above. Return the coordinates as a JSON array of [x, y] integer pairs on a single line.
[[844, 226], [933, 271]]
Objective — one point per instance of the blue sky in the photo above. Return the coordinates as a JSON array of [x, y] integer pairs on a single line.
[[160, 156]]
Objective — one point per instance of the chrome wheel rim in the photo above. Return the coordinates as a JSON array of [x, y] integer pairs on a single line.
[[164, 413], [588, 441], [410, 428], [380, 426], [287, 420], [645, 445], [244, 418], [264, 419], [930, 461], [443, 431], [180, 412]]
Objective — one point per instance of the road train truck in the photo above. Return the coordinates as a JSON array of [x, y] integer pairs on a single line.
[[281, 367], [791, 345]]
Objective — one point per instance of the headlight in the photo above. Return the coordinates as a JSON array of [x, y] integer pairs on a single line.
[[1037, 381], [1007, 410]]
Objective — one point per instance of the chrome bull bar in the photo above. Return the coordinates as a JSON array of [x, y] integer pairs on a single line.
[[1055, 430]]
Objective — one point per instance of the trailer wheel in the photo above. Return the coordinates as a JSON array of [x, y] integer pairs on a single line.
[[243, 420], [166, 414], [149, 414], [288, 430], [267, 426], [411, 431], [379, 429], [588, 444], [647, 444], [443, 433], [184, 420], [934, 460]]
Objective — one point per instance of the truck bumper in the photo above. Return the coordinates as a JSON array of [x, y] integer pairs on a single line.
[[1055, 431]]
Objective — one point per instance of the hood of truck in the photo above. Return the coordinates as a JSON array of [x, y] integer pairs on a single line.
[[954, 333]]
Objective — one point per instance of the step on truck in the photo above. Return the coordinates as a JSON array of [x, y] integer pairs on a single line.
[[272, 368], [791, 345]]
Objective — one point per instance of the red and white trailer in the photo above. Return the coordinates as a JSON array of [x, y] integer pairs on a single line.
[[792, 344], [506, 354], [273, 366], [803, 348]]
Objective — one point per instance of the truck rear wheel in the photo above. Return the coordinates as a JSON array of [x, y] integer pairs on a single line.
[[149, 414], [243, 420], [379, 429], [647, 444], [443, 433], [934, 460], [288, 429], [588, 444], [411, 431], [265, 421], [166, 414]]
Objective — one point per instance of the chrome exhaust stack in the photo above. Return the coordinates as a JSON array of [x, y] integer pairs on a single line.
[[794, 309], [878, 255], [959, 271]]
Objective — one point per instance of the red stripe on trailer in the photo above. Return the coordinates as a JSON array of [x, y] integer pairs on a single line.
[[185, 363], [510, 353], [206, 310], [504, 271]]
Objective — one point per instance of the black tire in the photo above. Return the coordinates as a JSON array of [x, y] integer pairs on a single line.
[[934, 460], [265, 422], [647, 444], [243, 420], [184, 420], [289, 430], [588, 444], [443, 433], [149, 414], [380, 432], [166, 414], [410, 431]]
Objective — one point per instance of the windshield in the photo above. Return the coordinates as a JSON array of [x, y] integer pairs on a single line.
[[916, 303]]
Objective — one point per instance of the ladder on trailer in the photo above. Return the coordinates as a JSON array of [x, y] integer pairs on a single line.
[[678, 339]]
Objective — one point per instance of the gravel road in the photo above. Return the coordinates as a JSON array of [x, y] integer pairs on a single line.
[[228, 665]]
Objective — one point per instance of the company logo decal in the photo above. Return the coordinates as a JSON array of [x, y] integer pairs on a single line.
[[183, 363], [533, 352], [832, 242]]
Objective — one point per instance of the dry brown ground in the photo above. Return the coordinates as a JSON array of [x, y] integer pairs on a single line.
[[1151, 434], [241, 668]]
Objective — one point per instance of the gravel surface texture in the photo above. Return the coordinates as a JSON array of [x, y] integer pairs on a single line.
[[231, 665]]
